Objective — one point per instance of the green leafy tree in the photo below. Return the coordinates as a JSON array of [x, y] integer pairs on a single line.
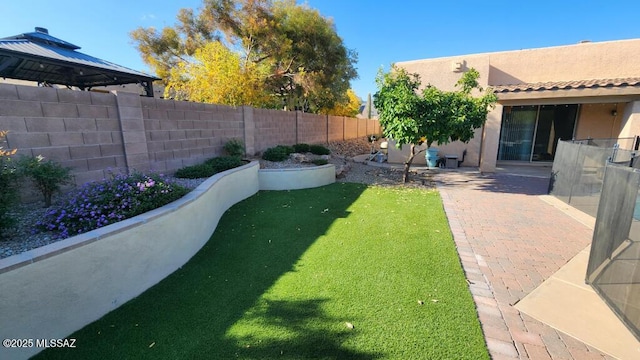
[[412, 118], [307, 65]]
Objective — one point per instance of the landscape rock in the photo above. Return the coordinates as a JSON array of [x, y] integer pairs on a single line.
[[352, 147], [341, 170], [298, 157]]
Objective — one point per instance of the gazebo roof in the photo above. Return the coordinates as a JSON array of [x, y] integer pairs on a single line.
[[38, 56]]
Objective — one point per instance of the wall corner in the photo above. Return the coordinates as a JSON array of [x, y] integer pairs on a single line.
[[630, 126], [490, 139]]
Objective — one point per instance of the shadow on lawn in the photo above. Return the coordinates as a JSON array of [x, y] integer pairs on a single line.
[[497, 183], [194, 312], [303, 328]]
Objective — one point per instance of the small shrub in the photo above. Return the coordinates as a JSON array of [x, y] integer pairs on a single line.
[[209, 167], [234, 147], [301, 148], [195, 172], [98, 204], [287, 148], [319, 150], [223, 163], [320, 161], [278, 153], [8, 193], [8, 187], [47, 175]]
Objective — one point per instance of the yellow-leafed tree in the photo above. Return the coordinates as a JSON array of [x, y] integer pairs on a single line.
[[220, 76], [308, 66], [350, 106], [4, 152]]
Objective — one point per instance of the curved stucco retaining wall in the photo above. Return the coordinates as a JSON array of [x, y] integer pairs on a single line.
[[297, 178], [57, 289]]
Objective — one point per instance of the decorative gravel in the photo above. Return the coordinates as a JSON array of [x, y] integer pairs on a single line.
[[22, 239]]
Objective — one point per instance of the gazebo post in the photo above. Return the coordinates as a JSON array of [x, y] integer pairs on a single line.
[[148, 88]]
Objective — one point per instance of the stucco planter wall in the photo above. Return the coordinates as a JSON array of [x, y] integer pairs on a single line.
[[297, 178], [54, 290]]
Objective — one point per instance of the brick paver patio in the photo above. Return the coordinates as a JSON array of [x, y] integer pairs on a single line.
[[509, 242]]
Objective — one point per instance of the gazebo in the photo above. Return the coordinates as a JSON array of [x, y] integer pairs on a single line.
[[47, 60]]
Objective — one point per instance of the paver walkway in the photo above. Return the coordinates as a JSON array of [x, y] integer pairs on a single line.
[[510, 241]]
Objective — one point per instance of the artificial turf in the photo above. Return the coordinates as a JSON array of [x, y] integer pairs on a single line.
[[344, 271]]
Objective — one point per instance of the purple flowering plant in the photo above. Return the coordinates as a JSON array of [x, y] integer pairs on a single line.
[[97, 204]]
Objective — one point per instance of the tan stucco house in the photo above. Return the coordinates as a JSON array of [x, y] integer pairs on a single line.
[[586, 90]]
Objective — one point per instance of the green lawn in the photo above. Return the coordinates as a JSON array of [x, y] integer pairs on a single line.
[[286, 271]]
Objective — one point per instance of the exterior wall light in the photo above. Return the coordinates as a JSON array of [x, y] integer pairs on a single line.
[[458, 66]]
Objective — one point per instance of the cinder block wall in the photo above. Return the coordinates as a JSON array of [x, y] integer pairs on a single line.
[[312, 128], [362, 128], [274, 127], [95, 133], [180, 133], [351, 129], [80, 130], [336, 128], [373, 127]]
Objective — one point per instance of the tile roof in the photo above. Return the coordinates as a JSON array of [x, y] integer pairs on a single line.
[[569, 85]]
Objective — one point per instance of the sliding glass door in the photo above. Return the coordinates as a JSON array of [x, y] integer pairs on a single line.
[[531, 133], [516, 134], [555, 122]]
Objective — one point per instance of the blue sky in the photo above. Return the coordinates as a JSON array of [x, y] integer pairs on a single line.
[[382, 32]]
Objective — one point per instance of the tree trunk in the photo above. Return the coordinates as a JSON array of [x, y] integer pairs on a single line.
[[407, 164], [47, 198]]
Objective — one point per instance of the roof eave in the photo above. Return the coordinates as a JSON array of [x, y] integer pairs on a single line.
[[58, 62], [582, 95]]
